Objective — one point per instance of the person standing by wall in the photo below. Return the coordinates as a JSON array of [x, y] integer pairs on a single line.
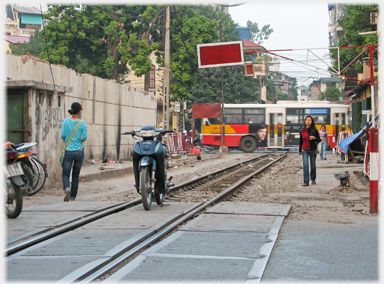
[[309, 135], [324, 142], [74, 153], [196, 137]]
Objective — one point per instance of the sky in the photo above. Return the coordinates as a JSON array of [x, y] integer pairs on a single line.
[[296, 26]]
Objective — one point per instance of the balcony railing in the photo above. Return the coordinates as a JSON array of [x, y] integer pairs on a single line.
[[26, 31]]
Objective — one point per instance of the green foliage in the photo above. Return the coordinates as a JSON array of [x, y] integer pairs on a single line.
[[332, 93], [188, 29], [101, 40], [353, 23], [237, 87], [258, 35], [33, 47]]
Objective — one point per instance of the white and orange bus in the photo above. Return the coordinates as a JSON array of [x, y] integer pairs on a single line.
[[252, 126]]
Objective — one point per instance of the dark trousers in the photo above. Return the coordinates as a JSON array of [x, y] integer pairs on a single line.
[[75, 159], [311, 154]]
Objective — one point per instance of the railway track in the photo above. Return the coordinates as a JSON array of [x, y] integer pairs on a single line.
[[217, 186]]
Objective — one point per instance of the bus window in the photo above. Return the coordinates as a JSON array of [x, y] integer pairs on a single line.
[[295, 116], [254, 115], [214, 120], [321, 118], [234, 116]]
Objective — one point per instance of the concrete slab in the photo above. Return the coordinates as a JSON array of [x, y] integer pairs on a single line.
[[28, 269], [230, 242], [218, 244], [91, 244], [237, 223], [85, 241], [41, 218], [137, 218], [177, 268], [250, 208]]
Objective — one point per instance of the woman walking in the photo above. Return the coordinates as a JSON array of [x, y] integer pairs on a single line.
[[74, 151], [308, 138], [324, 142]]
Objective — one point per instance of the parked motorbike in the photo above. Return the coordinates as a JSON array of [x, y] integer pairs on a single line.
[[150, 161], [16, 184], [32, 165]]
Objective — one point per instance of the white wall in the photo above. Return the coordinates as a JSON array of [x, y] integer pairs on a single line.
[[109, 109]]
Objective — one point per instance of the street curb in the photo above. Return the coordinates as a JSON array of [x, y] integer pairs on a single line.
[[106, 174]]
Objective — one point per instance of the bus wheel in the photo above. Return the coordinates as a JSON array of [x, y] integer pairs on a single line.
[[248, 144]]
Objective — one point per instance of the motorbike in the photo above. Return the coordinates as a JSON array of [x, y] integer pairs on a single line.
[[32, 165], [150, 162], [16, 184]]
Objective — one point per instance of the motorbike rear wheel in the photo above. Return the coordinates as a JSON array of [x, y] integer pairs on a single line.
[[13, 200], [27, 179], [145, 187]]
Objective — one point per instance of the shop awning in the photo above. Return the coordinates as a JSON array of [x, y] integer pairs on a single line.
[[31, 19]]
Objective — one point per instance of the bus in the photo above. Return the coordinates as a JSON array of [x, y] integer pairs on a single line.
[[258, 126]]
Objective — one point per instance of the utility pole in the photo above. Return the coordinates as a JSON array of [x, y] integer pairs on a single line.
[[222, 149], [166, 71]]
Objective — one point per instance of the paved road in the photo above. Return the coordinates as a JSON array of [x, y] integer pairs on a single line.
[[316, 251]]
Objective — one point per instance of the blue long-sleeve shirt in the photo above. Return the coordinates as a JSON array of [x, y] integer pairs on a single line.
[[81, 135]]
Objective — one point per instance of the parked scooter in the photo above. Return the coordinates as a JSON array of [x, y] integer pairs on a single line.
[[150, 161], [16, 184], [32, 165]]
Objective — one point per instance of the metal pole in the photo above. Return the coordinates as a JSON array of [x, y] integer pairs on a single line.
[[222, 99], [166, 72], [372, 87], [374, 154]]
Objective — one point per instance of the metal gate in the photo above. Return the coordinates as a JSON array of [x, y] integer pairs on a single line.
[[17, 109]]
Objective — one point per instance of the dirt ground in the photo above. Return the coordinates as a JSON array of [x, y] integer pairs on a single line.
[[281, 184]]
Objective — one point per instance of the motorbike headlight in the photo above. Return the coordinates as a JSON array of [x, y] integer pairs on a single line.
[[147, 133]]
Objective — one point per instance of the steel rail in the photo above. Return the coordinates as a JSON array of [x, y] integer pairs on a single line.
[[109, 264], [68, 227], [81, 221]]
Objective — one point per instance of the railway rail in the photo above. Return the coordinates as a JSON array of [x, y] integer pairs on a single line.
[[218, 185]]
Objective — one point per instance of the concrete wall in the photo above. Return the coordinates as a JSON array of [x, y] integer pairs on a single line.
[[108, 109]]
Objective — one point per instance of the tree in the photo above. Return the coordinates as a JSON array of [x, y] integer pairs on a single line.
[[258, 35], [353, 23], [237, 87], [187, 30], [33, 47], [332, 93], [101, 39]]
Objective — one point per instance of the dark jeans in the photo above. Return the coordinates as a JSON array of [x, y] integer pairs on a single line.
[[76, 158], [311, 154]]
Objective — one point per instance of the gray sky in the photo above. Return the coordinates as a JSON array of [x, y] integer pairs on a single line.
[[296, 26]]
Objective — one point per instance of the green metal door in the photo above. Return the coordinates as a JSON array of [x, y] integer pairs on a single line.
[[17, 116]]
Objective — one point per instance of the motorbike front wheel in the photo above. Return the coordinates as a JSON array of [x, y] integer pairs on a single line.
[[159, 197], [13, 200], [207, 149], [145, 187]]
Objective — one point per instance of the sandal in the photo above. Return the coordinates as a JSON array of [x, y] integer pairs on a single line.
[[313, 182], [304, 184]]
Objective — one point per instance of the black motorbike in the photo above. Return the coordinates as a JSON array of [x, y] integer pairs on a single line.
[[16, 183], [150, 161]]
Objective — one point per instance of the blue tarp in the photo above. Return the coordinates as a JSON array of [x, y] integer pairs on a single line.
[[343, 145]]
